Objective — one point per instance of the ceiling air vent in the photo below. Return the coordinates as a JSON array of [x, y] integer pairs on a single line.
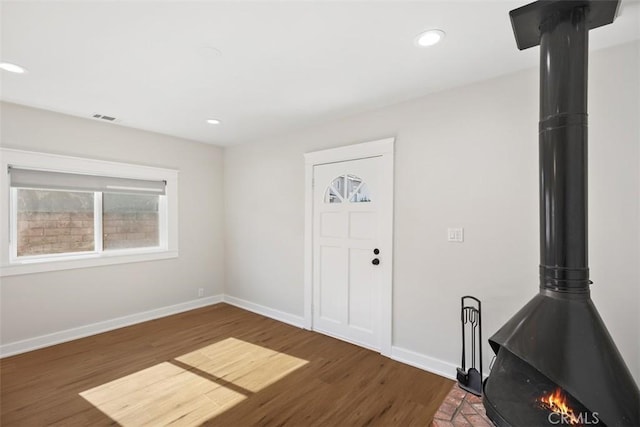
[[103, 117]]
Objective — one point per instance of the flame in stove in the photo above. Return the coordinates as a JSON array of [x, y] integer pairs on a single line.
[[559, 403]]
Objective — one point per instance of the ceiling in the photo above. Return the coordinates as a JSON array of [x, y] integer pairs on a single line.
[[261, 67]]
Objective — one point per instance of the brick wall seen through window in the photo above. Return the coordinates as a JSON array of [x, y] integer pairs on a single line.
[[54, 222]]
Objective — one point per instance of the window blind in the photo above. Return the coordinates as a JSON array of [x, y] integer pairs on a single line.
[[49, 180]]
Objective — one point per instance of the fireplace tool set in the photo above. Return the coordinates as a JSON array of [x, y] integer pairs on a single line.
[[470, 316]]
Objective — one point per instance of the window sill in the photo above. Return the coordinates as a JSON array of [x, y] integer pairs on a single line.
[[84, 262]]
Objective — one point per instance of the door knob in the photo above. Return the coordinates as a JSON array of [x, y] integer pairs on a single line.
[[376, 251], [375, 261]]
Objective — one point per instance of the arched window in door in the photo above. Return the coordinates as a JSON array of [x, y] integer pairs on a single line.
[[347, 188]]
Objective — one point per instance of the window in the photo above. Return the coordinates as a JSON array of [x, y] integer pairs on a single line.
[[130, 221], [348, 188], [57, 213], [53, 222], [79, 212]]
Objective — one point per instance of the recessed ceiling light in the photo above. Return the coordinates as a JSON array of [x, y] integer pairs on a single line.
[[213, 121], [429, 38], [12, 68]]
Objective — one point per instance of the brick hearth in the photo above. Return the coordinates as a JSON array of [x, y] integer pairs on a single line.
[[461, 409]]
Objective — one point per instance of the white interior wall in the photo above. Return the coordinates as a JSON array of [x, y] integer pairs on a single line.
[[33, 305], [614, 198], [465, 157]]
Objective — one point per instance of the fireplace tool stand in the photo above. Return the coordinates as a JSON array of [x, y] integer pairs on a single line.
[[470, 316]]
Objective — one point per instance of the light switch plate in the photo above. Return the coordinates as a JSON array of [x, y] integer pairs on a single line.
[[455, 235]]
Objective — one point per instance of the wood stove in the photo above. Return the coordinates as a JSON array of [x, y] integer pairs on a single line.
[[556, 363]]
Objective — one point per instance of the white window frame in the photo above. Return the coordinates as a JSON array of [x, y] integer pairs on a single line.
[[11, 265]]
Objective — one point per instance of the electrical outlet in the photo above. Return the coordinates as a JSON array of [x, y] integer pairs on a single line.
[[200, 292]]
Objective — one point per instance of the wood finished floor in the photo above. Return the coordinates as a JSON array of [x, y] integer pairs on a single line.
[[220, 366]]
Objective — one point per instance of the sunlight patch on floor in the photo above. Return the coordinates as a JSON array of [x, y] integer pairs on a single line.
[[194, 387], [246, 365]]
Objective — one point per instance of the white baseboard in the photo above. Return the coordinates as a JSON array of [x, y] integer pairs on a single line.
[[399, 354], [282, 316], [18, 347], [409, 357], [426, 363]]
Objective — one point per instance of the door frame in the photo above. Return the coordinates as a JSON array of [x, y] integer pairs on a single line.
[[383, 148]]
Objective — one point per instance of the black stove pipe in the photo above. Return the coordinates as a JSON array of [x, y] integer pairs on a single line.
[[559, 333], [563, 152]]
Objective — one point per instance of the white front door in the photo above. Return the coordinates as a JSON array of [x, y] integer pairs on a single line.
[[349, 261]]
